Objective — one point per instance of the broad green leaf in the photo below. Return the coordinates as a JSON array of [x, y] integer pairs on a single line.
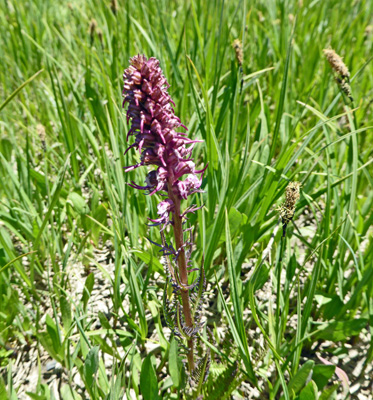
[[65, 312], [3, 391], [89, 282], [148, 259], [148, 380], [236, 221], [300, 378], [48, 340], [321, 374], [78, 203], [53, 333], [91, 365], [174, 363], [99, 215], [329, 393], [309, 392], [136, 296], [341, 330], [68, 393]]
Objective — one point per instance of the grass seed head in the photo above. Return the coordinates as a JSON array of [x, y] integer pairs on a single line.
[[336, 62], [287, 209], [114, 6], [345, 87], [100, 36], [41, 133], [341, 71], [237, 45], [92, 28]]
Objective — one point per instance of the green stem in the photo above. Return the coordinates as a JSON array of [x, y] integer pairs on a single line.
[[279, 270]]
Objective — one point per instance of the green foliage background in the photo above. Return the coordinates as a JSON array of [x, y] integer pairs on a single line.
[[282, 118]]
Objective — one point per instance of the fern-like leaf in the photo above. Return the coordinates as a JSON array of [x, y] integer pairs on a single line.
[[222, 382]]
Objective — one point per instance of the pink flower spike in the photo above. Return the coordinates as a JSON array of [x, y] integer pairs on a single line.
[[154, 124]]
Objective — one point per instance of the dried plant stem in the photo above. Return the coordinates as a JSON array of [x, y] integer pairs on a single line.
[[183, 272]]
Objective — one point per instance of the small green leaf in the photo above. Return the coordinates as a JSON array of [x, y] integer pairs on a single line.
[[67, 393], [148, 380], [78, 203], [322, 374], [89, 282], [2, 256], [309, 392], [40, 180], [103, 320], [149, 259], [65, 312], [3, 391], [174, 364], [341, 330], [300, 378], [91, 365], [53, 333], [329, 393], [47, 343], [116, 390], [332, 308], [136, 296], [236, 221], [104, 346], [100, 216]]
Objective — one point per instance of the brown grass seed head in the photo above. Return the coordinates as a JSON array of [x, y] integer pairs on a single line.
[[287, 209], [336, 62], [237, 45]]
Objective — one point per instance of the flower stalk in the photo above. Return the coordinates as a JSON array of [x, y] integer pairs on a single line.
[[160, 144], [179, 241]]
